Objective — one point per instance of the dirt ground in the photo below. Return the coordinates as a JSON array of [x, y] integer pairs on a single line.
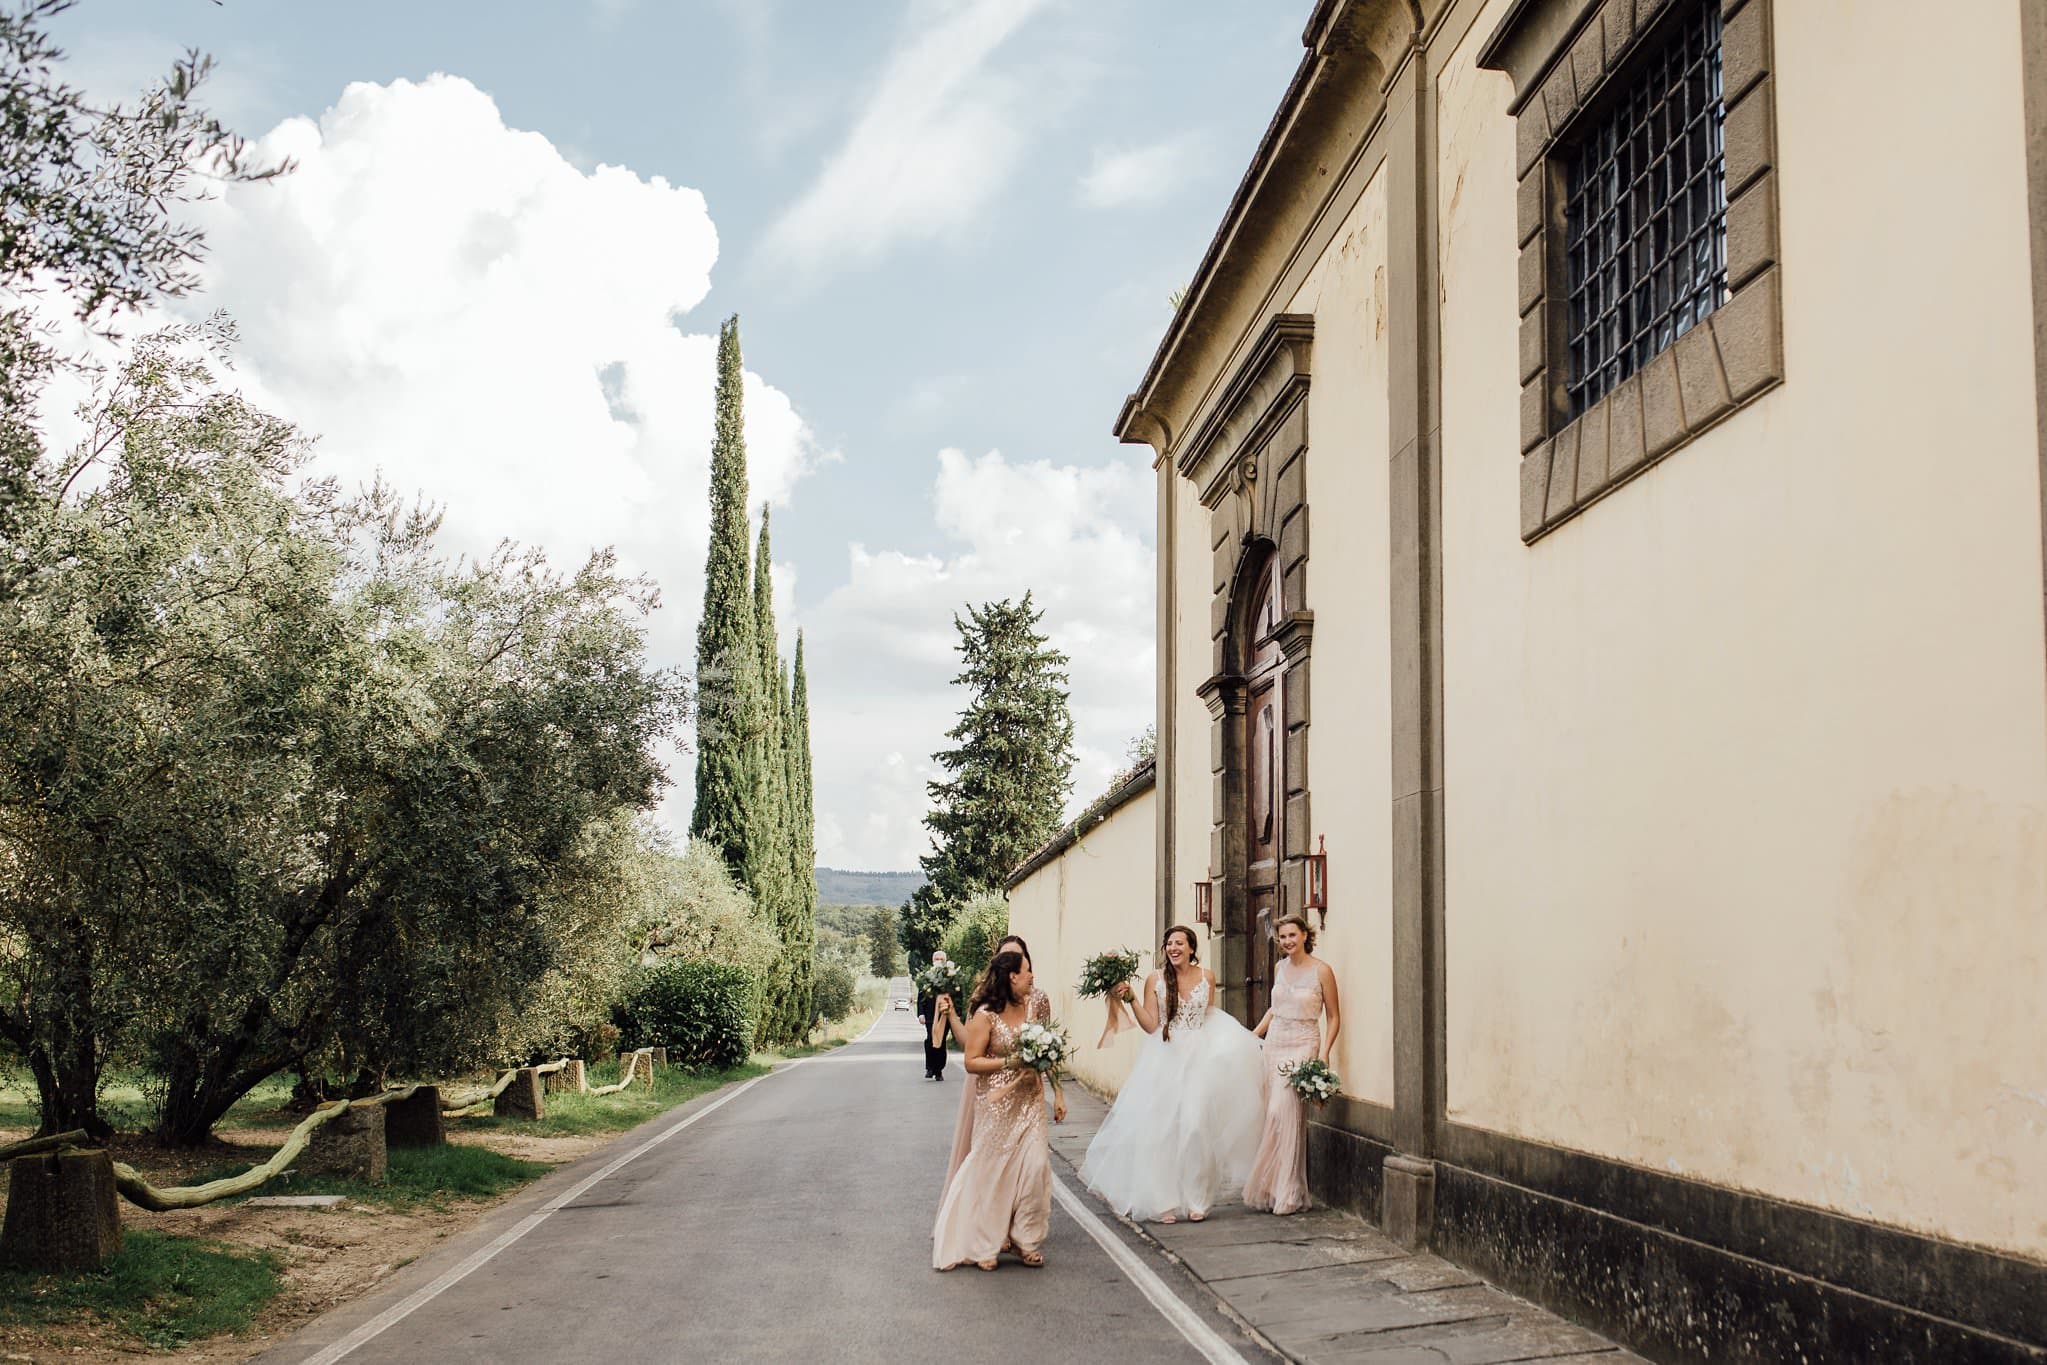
[[330, 1255]]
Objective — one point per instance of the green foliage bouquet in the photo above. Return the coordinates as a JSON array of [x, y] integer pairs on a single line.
[[940, 978], [1312, 1080], [1104, 972], [1043, 1048]]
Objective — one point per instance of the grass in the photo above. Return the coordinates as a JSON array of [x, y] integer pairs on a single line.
[[162, 1289], [571, 1115], [835, 1036], [413, 1177]]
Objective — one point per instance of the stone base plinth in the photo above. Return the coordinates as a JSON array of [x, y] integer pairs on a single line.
[[416, 1120], [62, 1212], [521, 1099]]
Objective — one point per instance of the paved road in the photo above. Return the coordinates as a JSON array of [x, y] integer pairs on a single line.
[[789, 1220]]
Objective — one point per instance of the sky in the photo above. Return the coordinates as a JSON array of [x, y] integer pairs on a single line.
[[949, 228]]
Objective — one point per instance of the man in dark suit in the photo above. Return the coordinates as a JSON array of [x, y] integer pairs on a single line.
[[927, 1010]]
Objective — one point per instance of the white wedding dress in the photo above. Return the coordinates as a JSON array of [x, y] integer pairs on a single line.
[[1185, 1126]]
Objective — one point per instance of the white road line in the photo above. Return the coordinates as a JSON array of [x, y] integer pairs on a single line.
[[1199, 1334], [398, 1312]]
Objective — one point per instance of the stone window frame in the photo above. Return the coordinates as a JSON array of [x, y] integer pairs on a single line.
[[1564, 56]]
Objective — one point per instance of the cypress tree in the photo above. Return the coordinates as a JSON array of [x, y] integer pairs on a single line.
[[802, 811], [731, 691], [786, 1017]]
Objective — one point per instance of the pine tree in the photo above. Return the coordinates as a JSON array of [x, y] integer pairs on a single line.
[[731, 692], [1010, 770]]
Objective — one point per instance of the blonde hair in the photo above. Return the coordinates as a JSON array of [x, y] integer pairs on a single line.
[[1307, 934]]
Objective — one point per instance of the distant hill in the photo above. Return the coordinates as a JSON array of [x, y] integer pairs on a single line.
[[838, 887]]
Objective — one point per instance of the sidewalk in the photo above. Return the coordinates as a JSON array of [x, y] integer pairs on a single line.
[[1324, 1286]]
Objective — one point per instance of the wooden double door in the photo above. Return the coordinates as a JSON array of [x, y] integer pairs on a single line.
[[1264, 788]]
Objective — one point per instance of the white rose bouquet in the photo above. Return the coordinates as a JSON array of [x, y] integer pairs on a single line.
[[940, 978], [1312, 1080], [1043, 1048]]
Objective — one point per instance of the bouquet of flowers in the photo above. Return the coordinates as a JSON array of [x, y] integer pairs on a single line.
[[940, 978], [1104, 972], [1312, 1080], [1043, 1048]]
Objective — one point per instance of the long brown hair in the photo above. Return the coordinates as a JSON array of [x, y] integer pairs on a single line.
[[994, 992], [982, 980], [1172, 974]]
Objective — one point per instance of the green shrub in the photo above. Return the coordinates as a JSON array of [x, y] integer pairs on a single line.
[[975, 930], [698, 1009], [833, 990], [870, 994]]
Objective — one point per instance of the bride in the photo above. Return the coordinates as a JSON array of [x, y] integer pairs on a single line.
[[1185, 1126]]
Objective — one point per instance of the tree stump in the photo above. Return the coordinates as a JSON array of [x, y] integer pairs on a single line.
[[415, 1121], [61, 1212], [351, 1147], [660, 1058], [571, 1079], [521, 1099]]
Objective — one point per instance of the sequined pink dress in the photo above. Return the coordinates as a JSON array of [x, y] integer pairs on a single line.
[[1002, 1192], [963, 1126], [1279, 1172]]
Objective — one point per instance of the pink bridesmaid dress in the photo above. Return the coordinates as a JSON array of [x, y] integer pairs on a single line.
[[963, 1126], [1279, 1173], [1002, 1191]]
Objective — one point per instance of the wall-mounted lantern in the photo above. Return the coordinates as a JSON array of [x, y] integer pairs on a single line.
[[1317, 897], [1204, 902]]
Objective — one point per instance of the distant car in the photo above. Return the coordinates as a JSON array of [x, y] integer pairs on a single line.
[[902, 1004]]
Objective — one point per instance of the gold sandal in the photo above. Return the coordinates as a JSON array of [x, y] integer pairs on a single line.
[[1033, 1259]]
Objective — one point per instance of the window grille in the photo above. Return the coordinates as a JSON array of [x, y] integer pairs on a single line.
[[1646, 210]]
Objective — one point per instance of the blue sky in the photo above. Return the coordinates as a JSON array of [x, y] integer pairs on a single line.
[[950, 228]]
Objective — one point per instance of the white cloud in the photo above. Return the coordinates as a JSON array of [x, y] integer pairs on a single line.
[[1139, 174], [938, 136], [882, 646], [451, 302]]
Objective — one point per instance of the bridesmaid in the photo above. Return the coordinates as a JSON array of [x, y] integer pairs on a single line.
[[1001, 1196], [1303, 990], [1041, 1010]]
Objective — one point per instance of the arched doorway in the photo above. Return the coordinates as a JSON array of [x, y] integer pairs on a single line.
[[1263, 746]]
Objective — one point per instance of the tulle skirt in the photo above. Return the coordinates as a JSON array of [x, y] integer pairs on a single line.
[[1184, 1129]]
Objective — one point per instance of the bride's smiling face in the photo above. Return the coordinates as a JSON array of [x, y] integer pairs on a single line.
[[1178, 950]]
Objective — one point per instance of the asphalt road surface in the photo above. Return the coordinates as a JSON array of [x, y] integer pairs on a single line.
[[785, 1219]]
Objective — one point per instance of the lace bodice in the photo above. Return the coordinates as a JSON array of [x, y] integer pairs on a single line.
[[1193, 1008]]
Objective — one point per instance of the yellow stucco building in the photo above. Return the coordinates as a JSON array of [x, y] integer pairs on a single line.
[[1600, 501]]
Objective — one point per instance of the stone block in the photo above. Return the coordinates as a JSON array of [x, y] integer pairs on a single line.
[[350, 1147], [1298, 709], [1297, 759], [1744, 51], [1408, 1211], [1588, 58], [1534, 490], [1218, 615], [660, 1058], [1293, 538], [1749, 329], [1298, 822], [1533, 339], [1294, 586], [1291, 491], [416, 1120], [642, 1064], [1222, 567], [1531, 135], [1625, 450], [1560, 95], [1700, 387], [1534, 413], [1530, 266], [62, 1212], [1529, 205], [521, 1099], [1563, 475], [1592, 431], [1215, 747], [1750, 136], [1752, 232], [1618, 18], [572, 1079], [1663, 423]]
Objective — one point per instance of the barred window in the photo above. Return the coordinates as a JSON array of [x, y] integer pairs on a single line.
[[1646, 209]]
